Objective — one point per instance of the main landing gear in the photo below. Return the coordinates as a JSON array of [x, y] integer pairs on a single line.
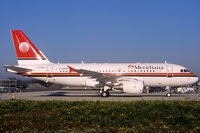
[[104, 92]]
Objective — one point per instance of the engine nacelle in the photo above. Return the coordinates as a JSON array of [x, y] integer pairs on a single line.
[[133, 86]]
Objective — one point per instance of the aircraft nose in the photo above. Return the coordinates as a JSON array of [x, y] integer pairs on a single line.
[[194, 79]]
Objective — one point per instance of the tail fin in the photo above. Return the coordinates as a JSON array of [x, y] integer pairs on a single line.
[[27, 53]]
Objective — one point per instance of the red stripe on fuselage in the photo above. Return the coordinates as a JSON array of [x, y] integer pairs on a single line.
[[117, 74]]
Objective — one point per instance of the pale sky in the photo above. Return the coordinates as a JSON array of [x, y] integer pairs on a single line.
[[105, 30]]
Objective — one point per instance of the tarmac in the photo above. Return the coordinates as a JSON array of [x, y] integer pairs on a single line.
[[78, 94]]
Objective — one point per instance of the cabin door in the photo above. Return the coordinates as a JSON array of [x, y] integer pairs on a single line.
[[169, 70], [49, 72]]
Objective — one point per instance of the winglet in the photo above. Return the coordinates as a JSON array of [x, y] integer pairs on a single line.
[[71, 69]]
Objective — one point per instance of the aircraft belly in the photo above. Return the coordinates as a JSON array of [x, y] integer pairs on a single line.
[[71, 81], [166, 81], [148, 81]]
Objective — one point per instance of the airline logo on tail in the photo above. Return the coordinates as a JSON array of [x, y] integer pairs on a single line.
[[24, 48]]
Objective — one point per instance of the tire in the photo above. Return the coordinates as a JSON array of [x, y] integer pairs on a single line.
[[105, 94], [168, 94]]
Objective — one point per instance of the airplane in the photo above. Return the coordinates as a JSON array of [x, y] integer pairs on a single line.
[[128, 77]]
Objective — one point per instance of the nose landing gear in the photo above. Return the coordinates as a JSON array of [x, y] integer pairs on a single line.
[[168, 94], [168, 91]]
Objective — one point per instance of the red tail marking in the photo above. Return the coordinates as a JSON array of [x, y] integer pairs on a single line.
[[24, 47]]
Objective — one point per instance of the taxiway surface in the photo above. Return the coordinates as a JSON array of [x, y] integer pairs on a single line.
[[93, 95]]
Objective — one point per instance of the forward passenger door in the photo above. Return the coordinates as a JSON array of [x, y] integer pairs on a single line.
[[169, 71]]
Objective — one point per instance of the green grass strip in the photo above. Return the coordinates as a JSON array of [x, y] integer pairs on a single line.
[[62, 116]]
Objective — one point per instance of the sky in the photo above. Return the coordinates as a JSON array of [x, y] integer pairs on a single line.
[[104, 30]]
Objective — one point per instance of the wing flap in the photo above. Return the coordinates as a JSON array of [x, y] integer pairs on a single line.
[[96, 75]]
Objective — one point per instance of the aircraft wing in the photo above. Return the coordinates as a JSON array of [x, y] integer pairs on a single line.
[[17, 69], [96, 75]]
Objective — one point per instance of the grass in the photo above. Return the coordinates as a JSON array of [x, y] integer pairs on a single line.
[[61, 116]]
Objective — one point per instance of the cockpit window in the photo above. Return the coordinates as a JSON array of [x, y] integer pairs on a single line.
[[187, 70], [184, 70]]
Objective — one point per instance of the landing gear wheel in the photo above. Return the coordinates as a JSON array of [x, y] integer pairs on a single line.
[[105, 94], [168, 94]]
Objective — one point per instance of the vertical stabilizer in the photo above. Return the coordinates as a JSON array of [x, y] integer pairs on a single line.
[[27, 53]]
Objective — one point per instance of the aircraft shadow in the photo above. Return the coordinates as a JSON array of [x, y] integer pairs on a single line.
[[63, 94], [66, 94]]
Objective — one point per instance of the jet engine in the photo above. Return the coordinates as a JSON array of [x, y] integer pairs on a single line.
[[133, 86]]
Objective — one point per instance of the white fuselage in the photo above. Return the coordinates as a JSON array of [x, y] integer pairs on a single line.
[[130, 77], [152, 74]]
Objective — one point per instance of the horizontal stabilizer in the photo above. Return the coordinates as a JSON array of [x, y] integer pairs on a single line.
[[17, 69]]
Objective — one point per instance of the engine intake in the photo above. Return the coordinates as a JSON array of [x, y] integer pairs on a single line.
[[133, 86]]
